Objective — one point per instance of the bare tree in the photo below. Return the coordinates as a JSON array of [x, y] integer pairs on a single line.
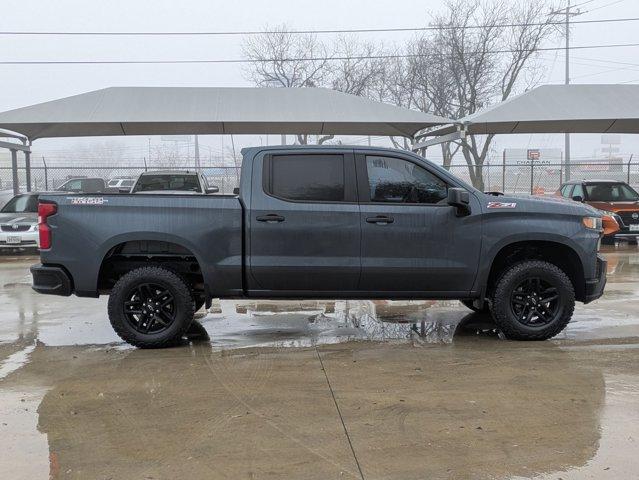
[[281, 58], [436, 86], [486, 64], [482, 53]]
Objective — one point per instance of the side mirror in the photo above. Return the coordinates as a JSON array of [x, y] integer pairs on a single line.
[[124, 190], [460, 199], [236, 191], [212, 189], [578, 198]]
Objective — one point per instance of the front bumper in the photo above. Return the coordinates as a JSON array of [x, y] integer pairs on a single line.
[[28, 239], [595, 287], [51, 280]]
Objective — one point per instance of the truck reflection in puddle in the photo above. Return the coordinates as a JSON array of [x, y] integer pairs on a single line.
[[306, 323]]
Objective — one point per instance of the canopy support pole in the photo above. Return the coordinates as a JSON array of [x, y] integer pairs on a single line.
[[27, 166], [14, 171]]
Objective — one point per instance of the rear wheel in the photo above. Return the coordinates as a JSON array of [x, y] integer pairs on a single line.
[[151, 307], [533, 300]]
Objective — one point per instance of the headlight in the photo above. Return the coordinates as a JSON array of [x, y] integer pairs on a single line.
[[592, 223]]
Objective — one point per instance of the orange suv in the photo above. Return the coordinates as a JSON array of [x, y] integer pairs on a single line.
[[617, 198]]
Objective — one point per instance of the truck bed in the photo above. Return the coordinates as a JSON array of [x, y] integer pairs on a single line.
[[209, 226]]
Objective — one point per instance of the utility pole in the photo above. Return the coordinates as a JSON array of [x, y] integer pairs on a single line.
[[569, 12], [567, 139]]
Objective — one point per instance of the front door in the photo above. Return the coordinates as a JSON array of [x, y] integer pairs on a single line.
[[412, 240], [304, 223]]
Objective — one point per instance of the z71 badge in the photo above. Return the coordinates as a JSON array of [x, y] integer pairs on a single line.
[[502, 205], [87, 200]]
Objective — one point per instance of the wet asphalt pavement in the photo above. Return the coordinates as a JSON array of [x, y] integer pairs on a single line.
[[346, 389]]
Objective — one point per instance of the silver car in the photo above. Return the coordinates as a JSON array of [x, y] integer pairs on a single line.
[[19, 222]]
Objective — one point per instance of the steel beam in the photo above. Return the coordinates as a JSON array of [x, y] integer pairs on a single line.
[[451, 137], [15, 146]]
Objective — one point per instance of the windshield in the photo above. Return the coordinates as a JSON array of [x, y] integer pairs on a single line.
[[611, 192], [152, 183], [22, 204]]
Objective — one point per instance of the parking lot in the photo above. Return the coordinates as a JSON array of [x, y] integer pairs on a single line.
[[346, 389]]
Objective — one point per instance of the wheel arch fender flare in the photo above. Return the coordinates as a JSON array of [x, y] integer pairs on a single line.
[[489, 257]]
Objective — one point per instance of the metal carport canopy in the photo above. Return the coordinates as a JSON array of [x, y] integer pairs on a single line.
[[208, 110], [555, 109]]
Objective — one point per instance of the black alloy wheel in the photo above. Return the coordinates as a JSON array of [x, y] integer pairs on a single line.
[[535, 302], [150, 308]]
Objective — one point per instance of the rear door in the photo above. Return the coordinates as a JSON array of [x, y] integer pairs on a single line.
[[412, 240], [304, 222]]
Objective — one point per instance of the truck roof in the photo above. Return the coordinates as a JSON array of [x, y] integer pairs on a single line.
[[322, 147]]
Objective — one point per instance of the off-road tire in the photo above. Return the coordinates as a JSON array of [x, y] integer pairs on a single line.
[[183, 301], [469, 304], [502, 310]]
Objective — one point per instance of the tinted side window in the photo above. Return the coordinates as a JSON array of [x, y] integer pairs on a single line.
[[578, 191], [395, 180], [306, 177], [565, 190]]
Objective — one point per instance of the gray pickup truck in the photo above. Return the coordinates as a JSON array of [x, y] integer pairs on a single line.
[[322, 222]]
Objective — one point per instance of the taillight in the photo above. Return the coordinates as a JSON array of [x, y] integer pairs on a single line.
[[45, 210]]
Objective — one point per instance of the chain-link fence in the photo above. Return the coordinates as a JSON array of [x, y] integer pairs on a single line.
[[544, 178], [519, 179], [47, 178]]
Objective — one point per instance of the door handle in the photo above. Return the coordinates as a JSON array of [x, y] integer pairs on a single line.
[[380, 220], [271, 218]]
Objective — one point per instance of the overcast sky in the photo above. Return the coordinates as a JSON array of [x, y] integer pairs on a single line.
[[25, 85]]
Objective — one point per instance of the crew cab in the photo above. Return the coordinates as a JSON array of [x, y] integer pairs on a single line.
[[322, 222]]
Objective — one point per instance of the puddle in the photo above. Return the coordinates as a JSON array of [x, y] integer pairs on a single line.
[[27, 317], [14, 361]]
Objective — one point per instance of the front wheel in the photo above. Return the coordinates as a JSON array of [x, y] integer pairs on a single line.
[[533, 300], [151, 307]]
